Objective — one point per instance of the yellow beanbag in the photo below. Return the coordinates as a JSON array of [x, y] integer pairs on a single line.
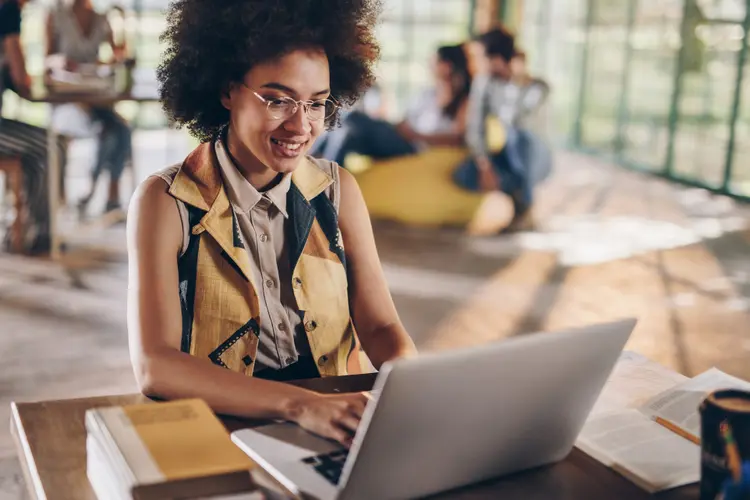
[[419, 189]]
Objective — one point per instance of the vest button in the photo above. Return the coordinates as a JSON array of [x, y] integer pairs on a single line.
[[297, 282], [322, 360], [311, 325]]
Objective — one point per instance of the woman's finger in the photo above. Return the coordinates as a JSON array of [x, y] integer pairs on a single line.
[[349, 422], [339, 434]]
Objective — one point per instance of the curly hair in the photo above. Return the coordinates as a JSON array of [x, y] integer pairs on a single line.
[[212, 43], [499, 42]]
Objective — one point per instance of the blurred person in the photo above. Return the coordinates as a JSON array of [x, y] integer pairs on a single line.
[[76, 32], [252, 263], [436, 117], [510, 98], [22, 140]]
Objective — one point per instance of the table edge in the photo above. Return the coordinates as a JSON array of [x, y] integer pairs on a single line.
[[18, 404], [23, 451]]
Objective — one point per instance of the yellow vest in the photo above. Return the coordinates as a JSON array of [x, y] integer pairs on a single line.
[[220, 307]]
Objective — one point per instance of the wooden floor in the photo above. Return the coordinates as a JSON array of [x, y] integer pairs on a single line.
[[609, 243]]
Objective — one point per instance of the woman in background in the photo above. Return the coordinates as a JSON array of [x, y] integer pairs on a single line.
[[76, 31], [436, 117]]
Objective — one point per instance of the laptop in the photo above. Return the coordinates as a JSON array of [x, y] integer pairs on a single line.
[[444, 420]]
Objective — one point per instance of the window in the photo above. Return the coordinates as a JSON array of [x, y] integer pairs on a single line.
[[410, 33]]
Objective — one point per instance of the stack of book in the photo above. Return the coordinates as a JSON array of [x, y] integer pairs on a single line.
[[170, 450]]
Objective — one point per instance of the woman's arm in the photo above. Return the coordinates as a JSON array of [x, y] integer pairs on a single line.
[[155, 326], [17, 65], [454, 138], [378, 325], [119, 50], [10, 37], [49, 29], [477, 111]]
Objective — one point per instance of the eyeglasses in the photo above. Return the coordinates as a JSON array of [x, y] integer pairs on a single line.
[[281, 108]]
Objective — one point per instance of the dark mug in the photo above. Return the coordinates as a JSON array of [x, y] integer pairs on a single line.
[[725, 446]]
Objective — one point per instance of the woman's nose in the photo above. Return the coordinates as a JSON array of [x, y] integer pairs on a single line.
[[299, 122]]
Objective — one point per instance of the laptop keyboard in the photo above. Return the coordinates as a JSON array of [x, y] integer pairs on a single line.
[[329, 465]]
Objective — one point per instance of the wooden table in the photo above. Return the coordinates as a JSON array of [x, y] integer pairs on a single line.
[[50, 441]]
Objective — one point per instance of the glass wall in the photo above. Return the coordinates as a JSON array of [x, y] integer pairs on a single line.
[[657, 82], [553, 37], [409, 33], [739, 177], [653, 44]]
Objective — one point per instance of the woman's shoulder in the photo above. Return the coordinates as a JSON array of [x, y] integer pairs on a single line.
[[332, 170], [327, 166], [153, 193], [10, 19], [60, 15], [151, 203], [154, 220], [156, 186], [102, 21], [167, 174]]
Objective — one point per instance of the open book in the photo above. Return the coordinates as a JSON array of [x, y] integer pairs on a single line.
[[654, 444]]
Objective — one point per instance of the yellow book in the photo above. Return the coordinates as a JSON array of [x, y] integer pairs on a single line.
[[177, 449]]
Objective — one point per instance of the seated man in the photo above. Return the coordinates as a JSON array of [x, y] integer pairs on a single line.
[[22, 140], [498, 94]]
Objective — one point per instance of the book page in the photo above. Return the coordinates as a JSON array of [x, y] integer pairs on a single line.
[[635, 379], [679, 405], [640, 449]]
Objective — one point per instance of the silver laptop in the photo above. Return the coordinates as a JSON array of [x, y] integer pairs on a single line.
[[453, 418]]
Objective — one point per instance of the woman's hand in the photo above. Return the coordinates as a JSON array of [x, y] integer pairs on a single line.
[[334, 416], [408, 133], [488, 180], [71, 65]]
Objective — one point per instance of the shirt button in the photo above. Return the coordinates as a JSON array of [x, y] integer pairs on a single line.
[[297, 282], [322, 360], [282, 327], [311, 325], [269, 283], [264, 237]]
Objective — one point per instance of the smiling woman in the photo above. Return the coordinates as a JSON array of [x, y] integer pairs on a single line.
[[252, 263]]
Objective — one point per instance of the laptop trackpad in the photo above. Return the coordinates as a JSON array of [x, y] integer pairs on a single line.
[[286, 442]]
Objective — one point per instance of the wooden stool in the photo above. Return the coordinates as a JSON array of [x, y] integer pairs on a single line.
[[11, 167]]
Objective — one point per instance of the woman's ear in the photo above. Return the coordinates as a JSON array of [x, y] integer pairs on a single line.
[[226, 96]]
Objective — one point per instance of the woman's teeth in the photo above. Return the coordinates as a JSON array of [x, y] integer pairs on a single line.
[[291, 146]]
